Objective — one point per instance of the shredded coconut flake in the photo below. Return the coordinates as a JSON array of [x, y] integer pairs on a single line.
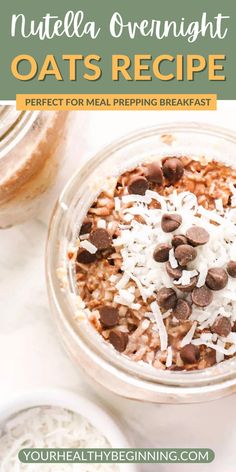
[[123, 281], [203, 269], [189, 336], [101, 223], [219, 205], [117, 203], [161, 326], [49, 427], [88, 246], [172, 259], [169, 357]]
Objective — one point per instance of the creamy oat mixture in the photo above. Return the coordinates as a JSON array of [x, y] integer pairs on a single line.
[[29, 169], [156, 263]]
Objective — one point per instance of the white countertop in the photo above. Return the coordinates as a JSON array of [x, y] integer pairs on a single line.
[[31, 355]]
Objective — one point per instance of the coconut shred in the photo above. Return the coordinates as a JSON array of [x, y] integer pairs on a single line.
[[49, 427], [155, 263]]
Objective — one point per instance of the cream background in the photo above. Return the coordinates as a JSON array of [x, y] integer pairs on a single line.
[[30, 353]]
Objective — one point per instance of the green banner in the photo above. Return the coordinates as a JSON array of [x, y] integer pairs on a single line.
[[109, 456], [90, 46]]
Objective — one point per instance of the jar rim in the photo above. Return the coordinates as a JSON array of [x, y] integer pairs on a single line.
[[221, 376], [14, 124]]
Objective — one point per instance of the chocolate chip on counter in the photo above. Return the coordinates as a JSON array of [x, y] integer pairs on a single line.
[[178, 239], [118, 339], [85, 227], [222, 326], [170, 222], [197, 236], [182, 310], [161, 252], [202, 296], [190, 354], [173, 273], [185, 254], [109, 316], [85, 257], [138, 185], [166, 298], [231, 268], [100, 238], [216, 278], [189, 287], [173, 169], [154, 173]]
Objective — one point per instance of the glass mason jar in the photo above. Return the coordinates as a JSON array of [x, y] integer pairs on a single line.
[[31, 152], [105, 365]]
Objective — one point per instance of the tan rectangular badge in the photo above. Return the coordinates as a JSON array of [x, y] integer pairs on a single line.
[[116, 102]]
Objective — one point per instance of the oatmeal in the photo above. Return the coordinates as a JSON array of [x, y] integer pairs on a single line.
[[156, 263], [31, 153]]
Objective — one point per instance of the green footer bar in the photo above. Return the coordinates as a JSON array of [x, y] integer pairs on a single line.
[[116, 456]]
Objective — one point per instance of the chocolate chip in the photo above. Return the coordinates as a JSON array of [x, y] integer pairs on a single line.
[[161, 252], [178, 239], [138, 185], [166, 298], [173, 169], [197, 236], [85, 257], [190, 354], [154, 173], [118, 339], [86, 227], [100, 238], [182, 310], [188, 287], [231, 268], [109, 316], [185, 254], [174, 273], [202, 296], [170, 222], [222, 326], [216, 278]]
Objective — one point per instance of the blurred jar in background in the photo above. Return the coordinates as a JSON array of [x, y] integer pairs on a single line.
[[32, 150]]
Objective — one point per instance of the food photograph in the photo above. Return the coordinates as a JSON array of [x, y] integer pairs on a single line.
[[118, 282]]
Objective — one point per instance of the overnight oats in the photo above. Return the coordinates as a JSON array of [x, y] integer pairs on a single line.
[[140, 263], [155, 263], [31, 154]]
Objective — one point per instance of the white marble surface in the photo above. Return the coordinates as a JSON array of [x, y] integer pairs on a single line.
[[31, 355]]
